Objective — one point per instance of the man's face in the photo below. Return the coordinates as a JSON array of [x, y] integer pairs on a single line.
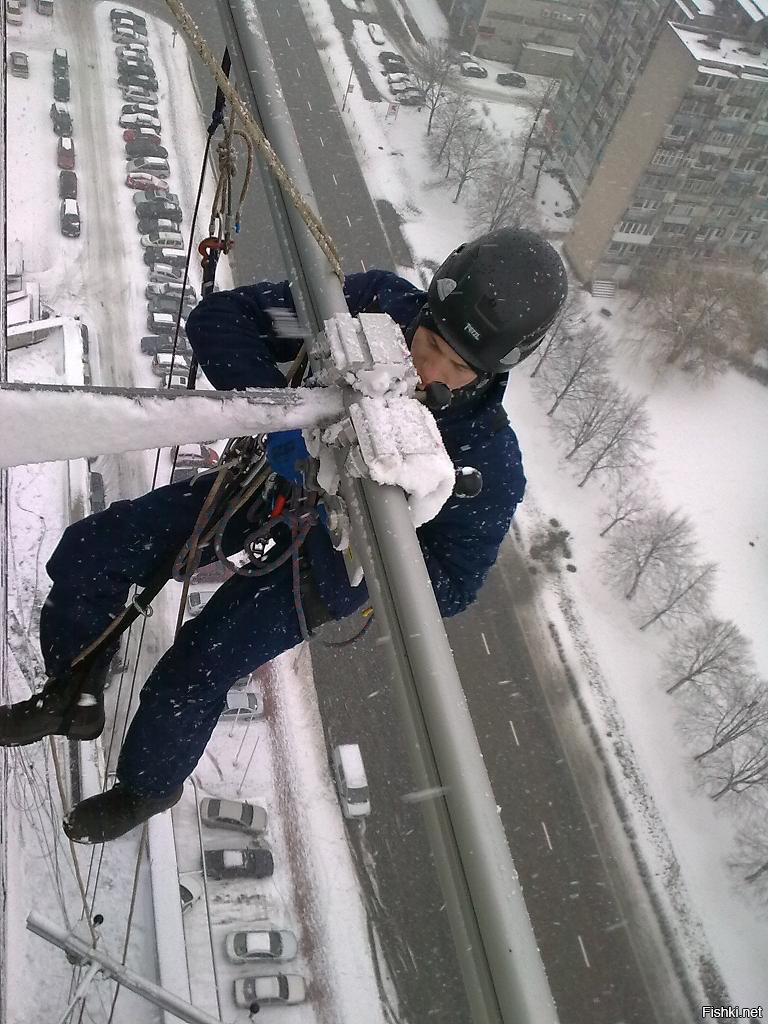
[[435, 360]]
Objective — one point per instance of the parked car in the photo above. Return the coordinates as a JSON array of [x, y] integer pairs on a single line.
[[351, 780], [61, 89], [170, 305], [139, 108], [118, 14], [400, 89], [143, 148], [137, 94], [148, 165], [150, 224], [253, 862], [126, 49], [201, 456], [65, 153], [173, 291], [167, 239], [165, 272], [165, 323], [260, 946], [146, 134], [97, 493], [157, 210], [243, 705], [154, 343], [60, 61], [69, 218], [19, 64], [139, 121], [270, 988], [390, 56], [44, 7], [393, 66], [141, 64], [399, 78], [412, 98], [173, 257], [141, 180], [189, 893], [13, 15], [150, 196], [473, 70], [166, 363], [377, 36], [61, 120], [122, 34], [237, 814], [511, 78], [67, 185], [174, 382], [140, 79]]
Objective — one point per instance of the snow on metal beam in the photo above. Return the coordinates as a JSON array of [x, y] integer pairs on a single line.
[[49, 422]]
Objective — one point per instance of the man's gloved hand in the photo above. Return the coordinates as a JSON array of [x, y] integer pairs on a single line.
[[285, 448]]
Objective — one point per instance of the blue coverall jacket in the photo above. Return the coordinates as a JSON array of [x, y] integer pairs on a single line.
[[249, 621]]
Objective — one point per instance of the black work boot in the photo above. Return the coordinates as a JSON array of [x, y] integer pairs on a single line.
[[107, 816], [52, 712]]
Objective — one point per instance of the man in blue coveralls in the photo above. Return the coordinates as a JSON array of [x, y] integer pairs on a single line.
[[487, 308]]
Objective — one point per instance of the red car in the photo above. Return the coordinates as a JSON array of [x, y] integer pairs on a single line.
[[145, 181], [65, 153], [134, 134]]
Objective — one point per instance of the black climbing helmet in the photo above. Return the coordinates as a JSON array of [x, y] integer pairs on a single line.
[[494, 298]]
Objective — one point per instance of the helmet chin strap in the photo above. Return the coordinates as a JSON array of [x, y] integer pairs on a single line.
[[458, 396]]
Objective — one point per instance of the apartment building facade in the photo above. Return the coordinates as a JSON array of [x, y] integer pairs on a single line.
[[666, 145]]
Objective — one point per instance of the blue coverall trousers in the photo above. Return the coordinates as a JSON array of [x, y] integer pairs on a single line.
[[247, 622]]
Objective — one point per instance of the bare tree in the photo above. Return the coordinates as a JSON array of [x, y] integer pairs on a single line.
[[433, 72], [608, 430], [710, 650], [744, 710], [471, 150], [498, 201], [751, 858], [544, 104], [653, 542], [581, 365], [627, 500], [745, 768], [452, 116], [682, 590], [569, 320], [700, 315]]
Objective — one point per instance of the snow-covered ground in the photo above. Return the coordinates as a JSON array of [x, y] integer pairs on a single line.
[[706, 460]]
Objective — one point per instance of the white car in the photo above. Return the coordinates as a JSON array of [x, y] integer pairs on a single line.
[[351, 780], [13, 13], [374, 31], [140, 121], [176, 382], [234, 814], [171, 239], [260, 945], [398, 78], [270, 988], [243, 706]]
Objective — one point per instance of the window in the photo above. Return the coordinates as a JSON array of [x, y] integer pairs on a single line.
[[665, 157], [675, 229], [646, 204], [634, 227], [745, 236], [681, 210]]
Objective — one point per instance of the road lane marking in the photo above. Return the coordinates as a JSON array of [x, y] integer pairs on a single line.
[[298, 72], [546, 835], [321, 141], [365, 269], [348, 220], [309, 105], [485, 643], [334, 179], [511, 726], [505, 682], [583, 951]]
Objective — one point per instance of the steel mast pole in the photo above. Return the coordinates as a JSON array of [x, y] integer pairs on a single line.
[[499, 958]]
